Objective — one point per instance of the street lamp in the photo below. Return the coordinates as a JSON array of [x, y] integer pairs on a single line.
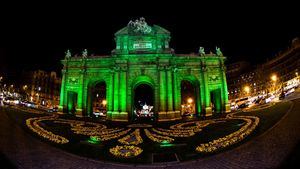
[[190, 100], [104, 102], [247, 89], [274, 78]]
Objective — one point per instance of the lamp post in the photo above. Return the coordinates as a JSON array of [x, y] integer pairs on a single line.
[[190, 107], [104, 102], [247, 90], [274, 79], [190, 100]]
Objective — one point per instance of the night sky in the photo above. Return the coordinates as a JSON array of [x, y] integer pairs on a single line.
[[36, 39]]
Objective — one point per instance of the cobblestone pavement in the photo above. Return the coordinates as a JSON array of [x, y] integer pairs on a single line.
[[268, 150]]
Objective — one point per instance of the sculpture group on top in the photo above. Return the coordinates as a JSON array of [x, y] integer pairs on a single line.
[[139, 26]]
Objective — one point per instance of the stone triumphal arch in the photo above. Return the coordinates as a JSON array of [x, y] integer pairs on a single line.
[[143, 56]]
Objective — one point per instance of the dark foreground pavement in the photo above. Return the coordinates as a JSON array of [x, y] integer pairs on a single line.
[[272, 149]]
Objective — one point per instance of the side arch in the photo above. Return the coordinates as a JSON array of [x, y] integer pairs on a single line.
[[196, 84], [89, 97]]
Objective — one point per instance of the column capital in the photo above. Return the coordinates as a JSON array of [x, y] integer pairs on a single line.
[[83, 71], [175, 69], [123, 68], [169, 68], [204, 68], [161, 67], [115, 69]]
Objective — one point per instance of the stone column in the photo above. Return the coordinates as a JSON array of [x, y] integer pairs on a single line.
[[162, 90], [177, 94], [79, 108], [162, 94], [170, 90], [110, 95], [123, 90], [225, 90], [208, 110], [116, 91], [119, 95], [85, 97]]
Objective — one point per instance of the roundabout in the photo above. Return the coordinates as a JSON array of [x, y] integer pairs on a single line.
[[91, 143], [139, 142]]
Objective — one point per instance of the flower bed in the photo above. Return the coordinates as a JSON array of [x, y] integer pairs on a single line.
[[100, 130], [114, 135], [157, 138], [192, 125], [242, 133], [125, 151], [133, 138], [174, 133], [33, 124]]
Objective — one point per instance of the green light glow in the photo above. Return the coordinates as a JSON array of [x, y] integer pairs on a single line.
[[162, 91], [94, 140], [165, 142], [170, 90], [143, 56], [123, 92], [116, 92]]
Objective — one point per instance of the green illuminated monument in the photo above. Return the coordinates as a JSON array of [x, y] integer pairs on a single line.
[[143, 56]]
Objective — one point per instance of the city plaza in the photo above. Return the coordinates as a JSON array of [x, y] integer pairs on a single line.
[[144, 105]]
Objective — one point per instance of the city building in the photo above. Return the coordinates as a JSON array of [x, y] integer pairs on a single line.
[[264, 78], [42, 87], [285, 65], [238, 74], [144, 60]]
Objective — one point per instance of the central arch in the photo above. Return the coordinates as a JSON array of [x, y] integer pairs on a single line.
[[143, 93]]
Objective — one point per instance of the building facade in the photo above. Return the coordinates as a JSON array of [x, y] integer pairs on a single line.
[[285, 66], [143, 57], [42, 87]]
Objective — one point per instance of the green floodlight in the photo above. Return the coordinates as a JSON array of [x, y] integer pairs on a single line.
[[94, 140]]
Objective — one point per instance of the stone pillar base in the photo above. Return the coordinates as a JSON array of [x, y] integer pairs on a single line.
[[60, 108], [208, 111], [169, 116], [117, 116], [108, 115], [78, 113], [227, 108]]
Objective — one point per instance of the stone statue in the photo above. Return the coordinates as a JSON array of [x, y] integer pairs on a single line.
[[218, 52], [68, 54], [84, 53], [201, 51], [139, 26]]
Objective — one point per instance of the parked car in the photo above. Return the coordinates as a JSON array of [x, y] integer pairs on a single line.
[[243, 105], [281, 96]]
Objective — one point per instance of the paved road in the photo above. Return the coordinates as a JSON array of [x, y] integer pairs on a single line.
[[266, 151]]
